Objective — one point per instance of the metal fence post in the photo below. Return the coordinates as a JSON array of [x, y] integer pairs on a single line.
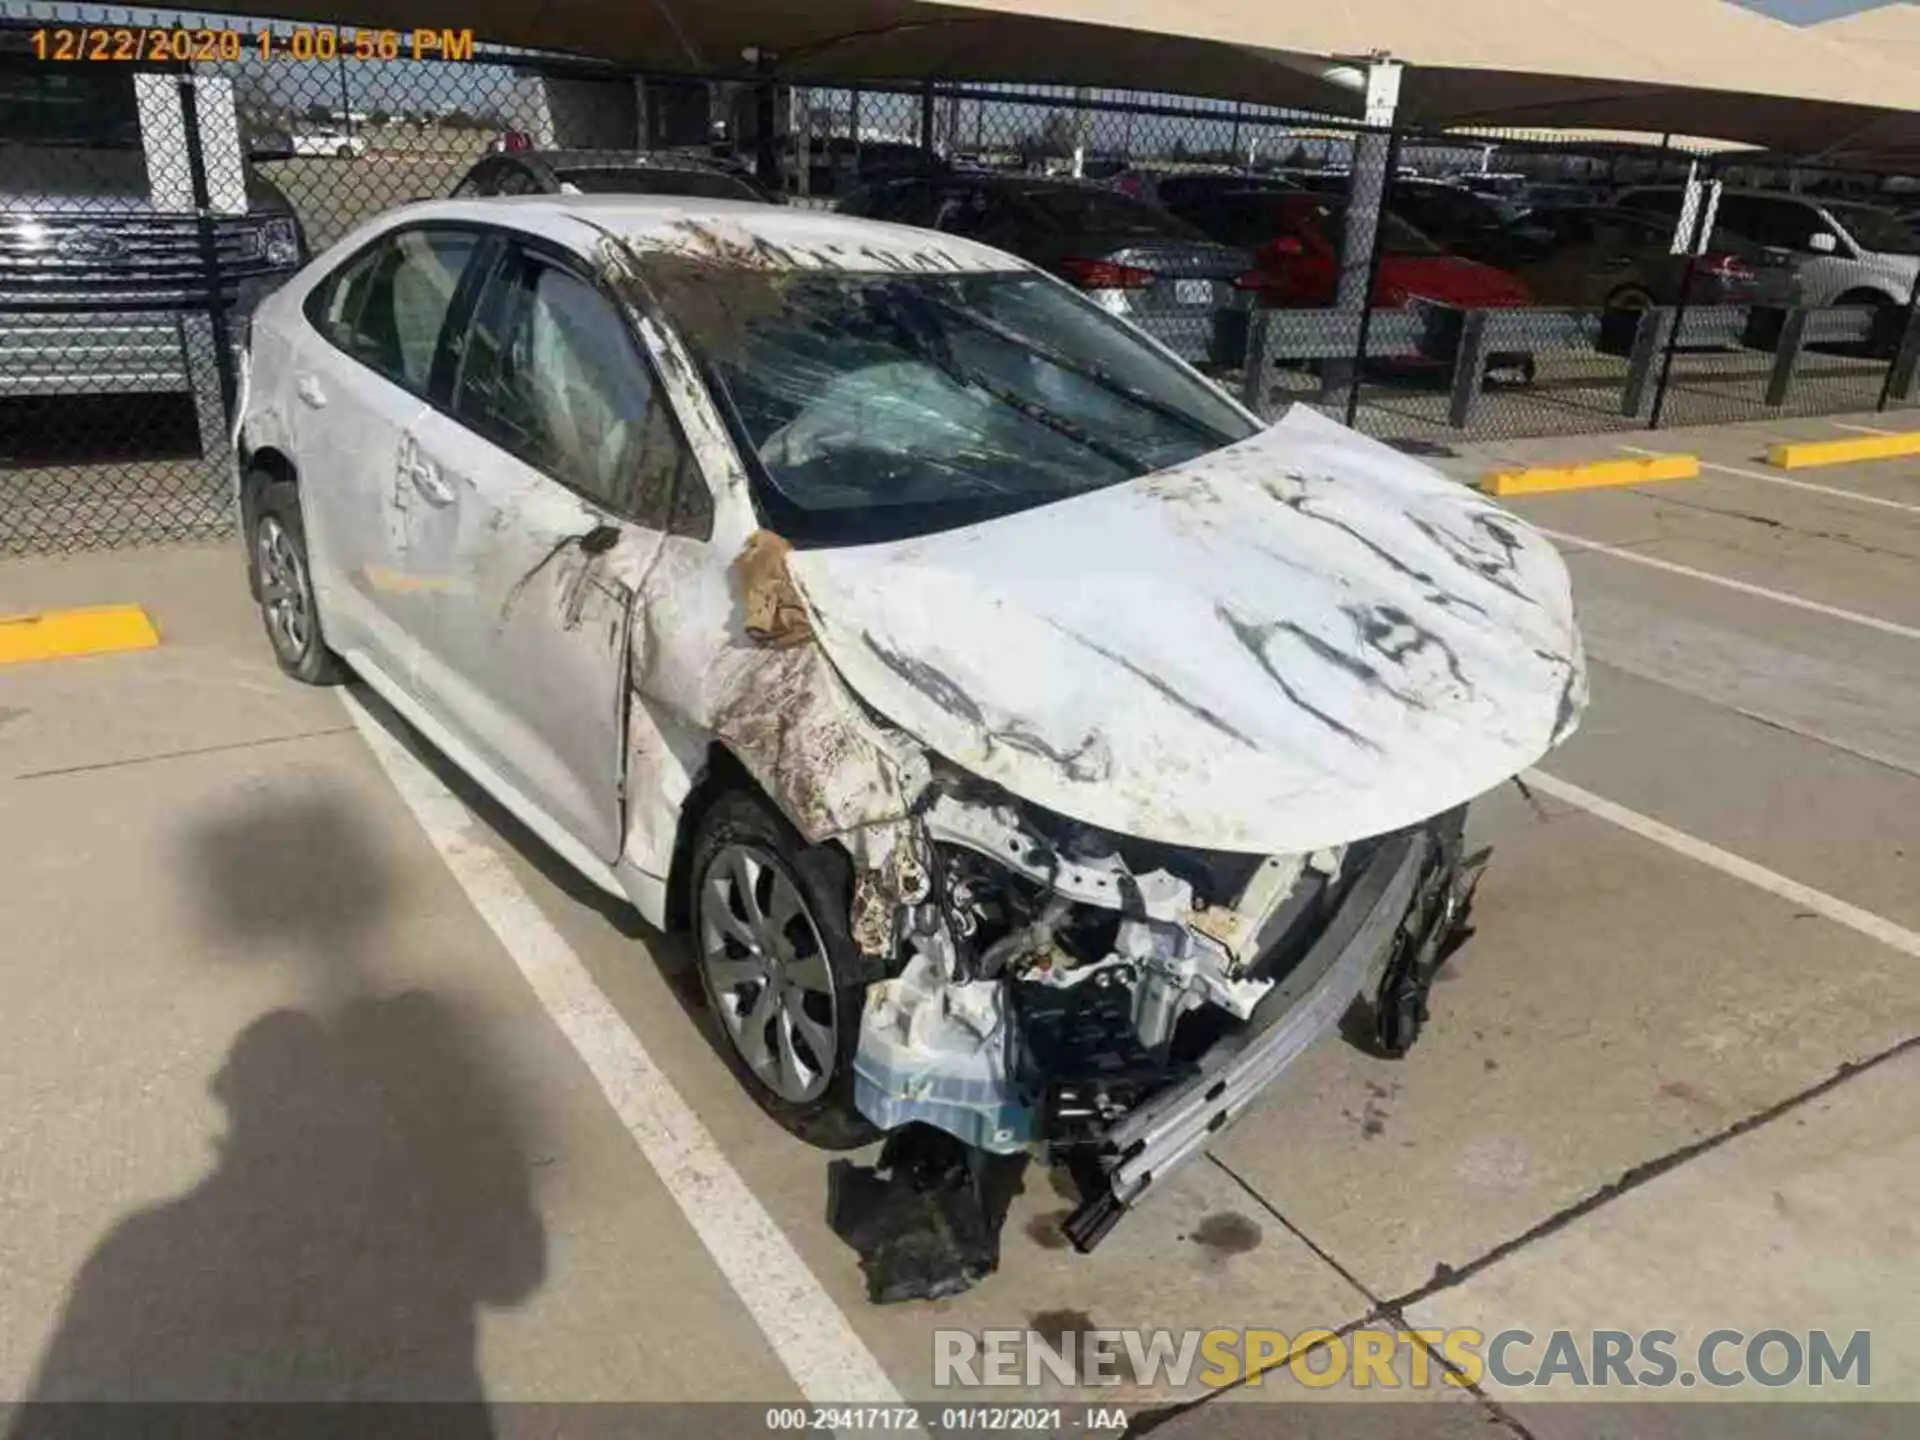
[[1254, 372], [209, 246], [1898, 381], [926, 119], [1786, 355]]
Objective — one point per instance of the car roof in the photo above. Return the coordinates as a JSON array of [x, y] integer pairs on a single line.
[[1668, 187], [742, 232], [623, 159]]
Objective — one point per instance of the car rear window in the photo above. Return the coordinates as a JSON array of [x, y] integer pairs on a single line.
[[1091, 211], [1327, 219]]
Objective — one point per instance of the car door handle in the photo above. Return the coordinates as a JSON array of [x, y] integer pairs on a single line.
[[426, 479], [309, 391]]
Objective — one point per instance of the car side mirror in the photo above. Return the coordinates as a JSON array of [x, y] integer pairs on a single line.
[[1821, 243], [600, 539]]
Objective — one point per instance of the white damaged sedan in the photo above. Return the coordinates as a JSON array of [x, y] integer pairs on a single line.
[[1035, 746]]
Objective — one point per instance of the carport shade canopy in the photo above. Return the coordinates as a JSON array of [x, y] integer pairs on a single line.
[[1699, 67]]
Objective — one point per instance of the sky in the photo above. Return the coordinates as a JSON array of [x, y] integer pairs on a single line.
[[1805, 12]]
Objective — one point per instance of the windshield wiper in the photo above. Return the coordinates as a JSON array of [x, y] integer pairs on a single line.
[[1041, 415], [1099, 377]]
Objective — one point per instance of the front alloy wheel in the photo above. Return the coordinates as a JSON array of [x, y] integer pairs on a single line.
[[768, 973]]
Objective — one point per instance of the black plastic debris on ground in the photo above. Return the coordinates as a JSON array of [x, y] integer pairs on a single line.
[[926, 1217]]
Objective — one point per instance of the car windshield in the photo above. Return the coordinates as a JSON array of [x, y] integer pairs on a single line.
[[1084, 210], [45, 104], [1874, 229], [653, 180], [884, 406]]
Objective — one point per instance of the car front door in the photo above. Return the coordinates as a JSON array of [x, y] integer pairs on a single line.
[[559, 465], [361, 377]]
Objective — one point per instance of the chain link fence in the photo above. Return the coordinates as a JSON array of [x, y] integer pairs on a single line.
[[166, 170]]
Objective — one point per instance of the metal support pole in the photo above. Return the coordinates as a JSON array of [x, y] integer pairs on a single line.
[[209, 247], [766, 153], [1371, 279], [1703, 213], [926, 119], [346, 104], [1368, 180], [1375, 151], [801, 107]]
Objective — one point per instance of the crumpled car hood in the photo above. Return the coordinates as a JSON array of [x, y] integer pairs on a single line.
[[1294, 642]]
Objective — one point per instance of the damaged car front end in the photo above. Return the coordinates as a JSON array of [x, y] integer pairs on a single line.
[[1119, 1002]]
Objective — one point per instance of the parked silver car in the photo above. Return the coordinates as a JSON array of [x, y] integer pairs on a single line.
[[1037, 749], [1842, 252]]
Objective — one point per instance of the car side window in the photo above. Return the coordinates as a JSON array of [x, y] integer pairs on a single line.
[[1793, 224], [387, 306], [552, 374]]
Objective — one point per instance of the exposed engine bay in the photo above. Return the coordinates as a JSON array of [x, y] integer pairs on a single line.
[[1052, 978]]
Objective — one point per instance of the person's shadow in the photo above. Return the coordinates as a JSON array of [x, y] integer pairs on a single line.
[[370, 1193]]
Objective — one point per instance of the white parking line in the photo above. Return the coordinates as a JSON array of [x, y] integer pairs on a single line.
[[1833, 490], [1799, 602], [1860, 429], [1873, 926], [808, 1332]]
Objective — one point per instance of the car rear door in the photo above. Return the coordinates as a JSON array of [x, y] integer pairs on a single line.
[[361, 375], [556, 460]]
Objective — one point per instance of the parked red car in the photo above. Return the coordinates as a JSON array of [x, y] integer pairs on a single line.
[[1295, 241]]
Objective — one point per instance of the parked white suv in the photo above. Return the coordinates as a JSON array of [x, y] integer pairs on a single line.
[[1037, 749], [1845, 253]]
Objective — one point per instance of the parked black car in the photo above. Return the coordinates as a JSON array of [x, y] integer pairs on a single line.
[[1134, 258], [605, 172]]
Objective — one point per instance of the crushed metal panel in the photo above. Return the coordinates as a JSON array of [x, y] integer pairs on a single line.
[[1285, 645], [700, 674]]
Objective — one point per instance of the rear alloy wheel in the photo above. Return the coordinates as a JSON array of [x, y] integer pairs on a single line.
[[287, 605], [1629, 297], [781, 974]]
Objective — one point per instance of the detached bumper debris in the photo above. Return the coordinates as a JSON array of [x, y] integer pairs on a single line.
[[926, 1218]]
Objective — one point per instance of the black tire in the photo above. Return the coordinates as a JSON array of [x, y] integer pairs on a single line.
[[1879, 304], [1629, 297], [283, 583], [740, 821]]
